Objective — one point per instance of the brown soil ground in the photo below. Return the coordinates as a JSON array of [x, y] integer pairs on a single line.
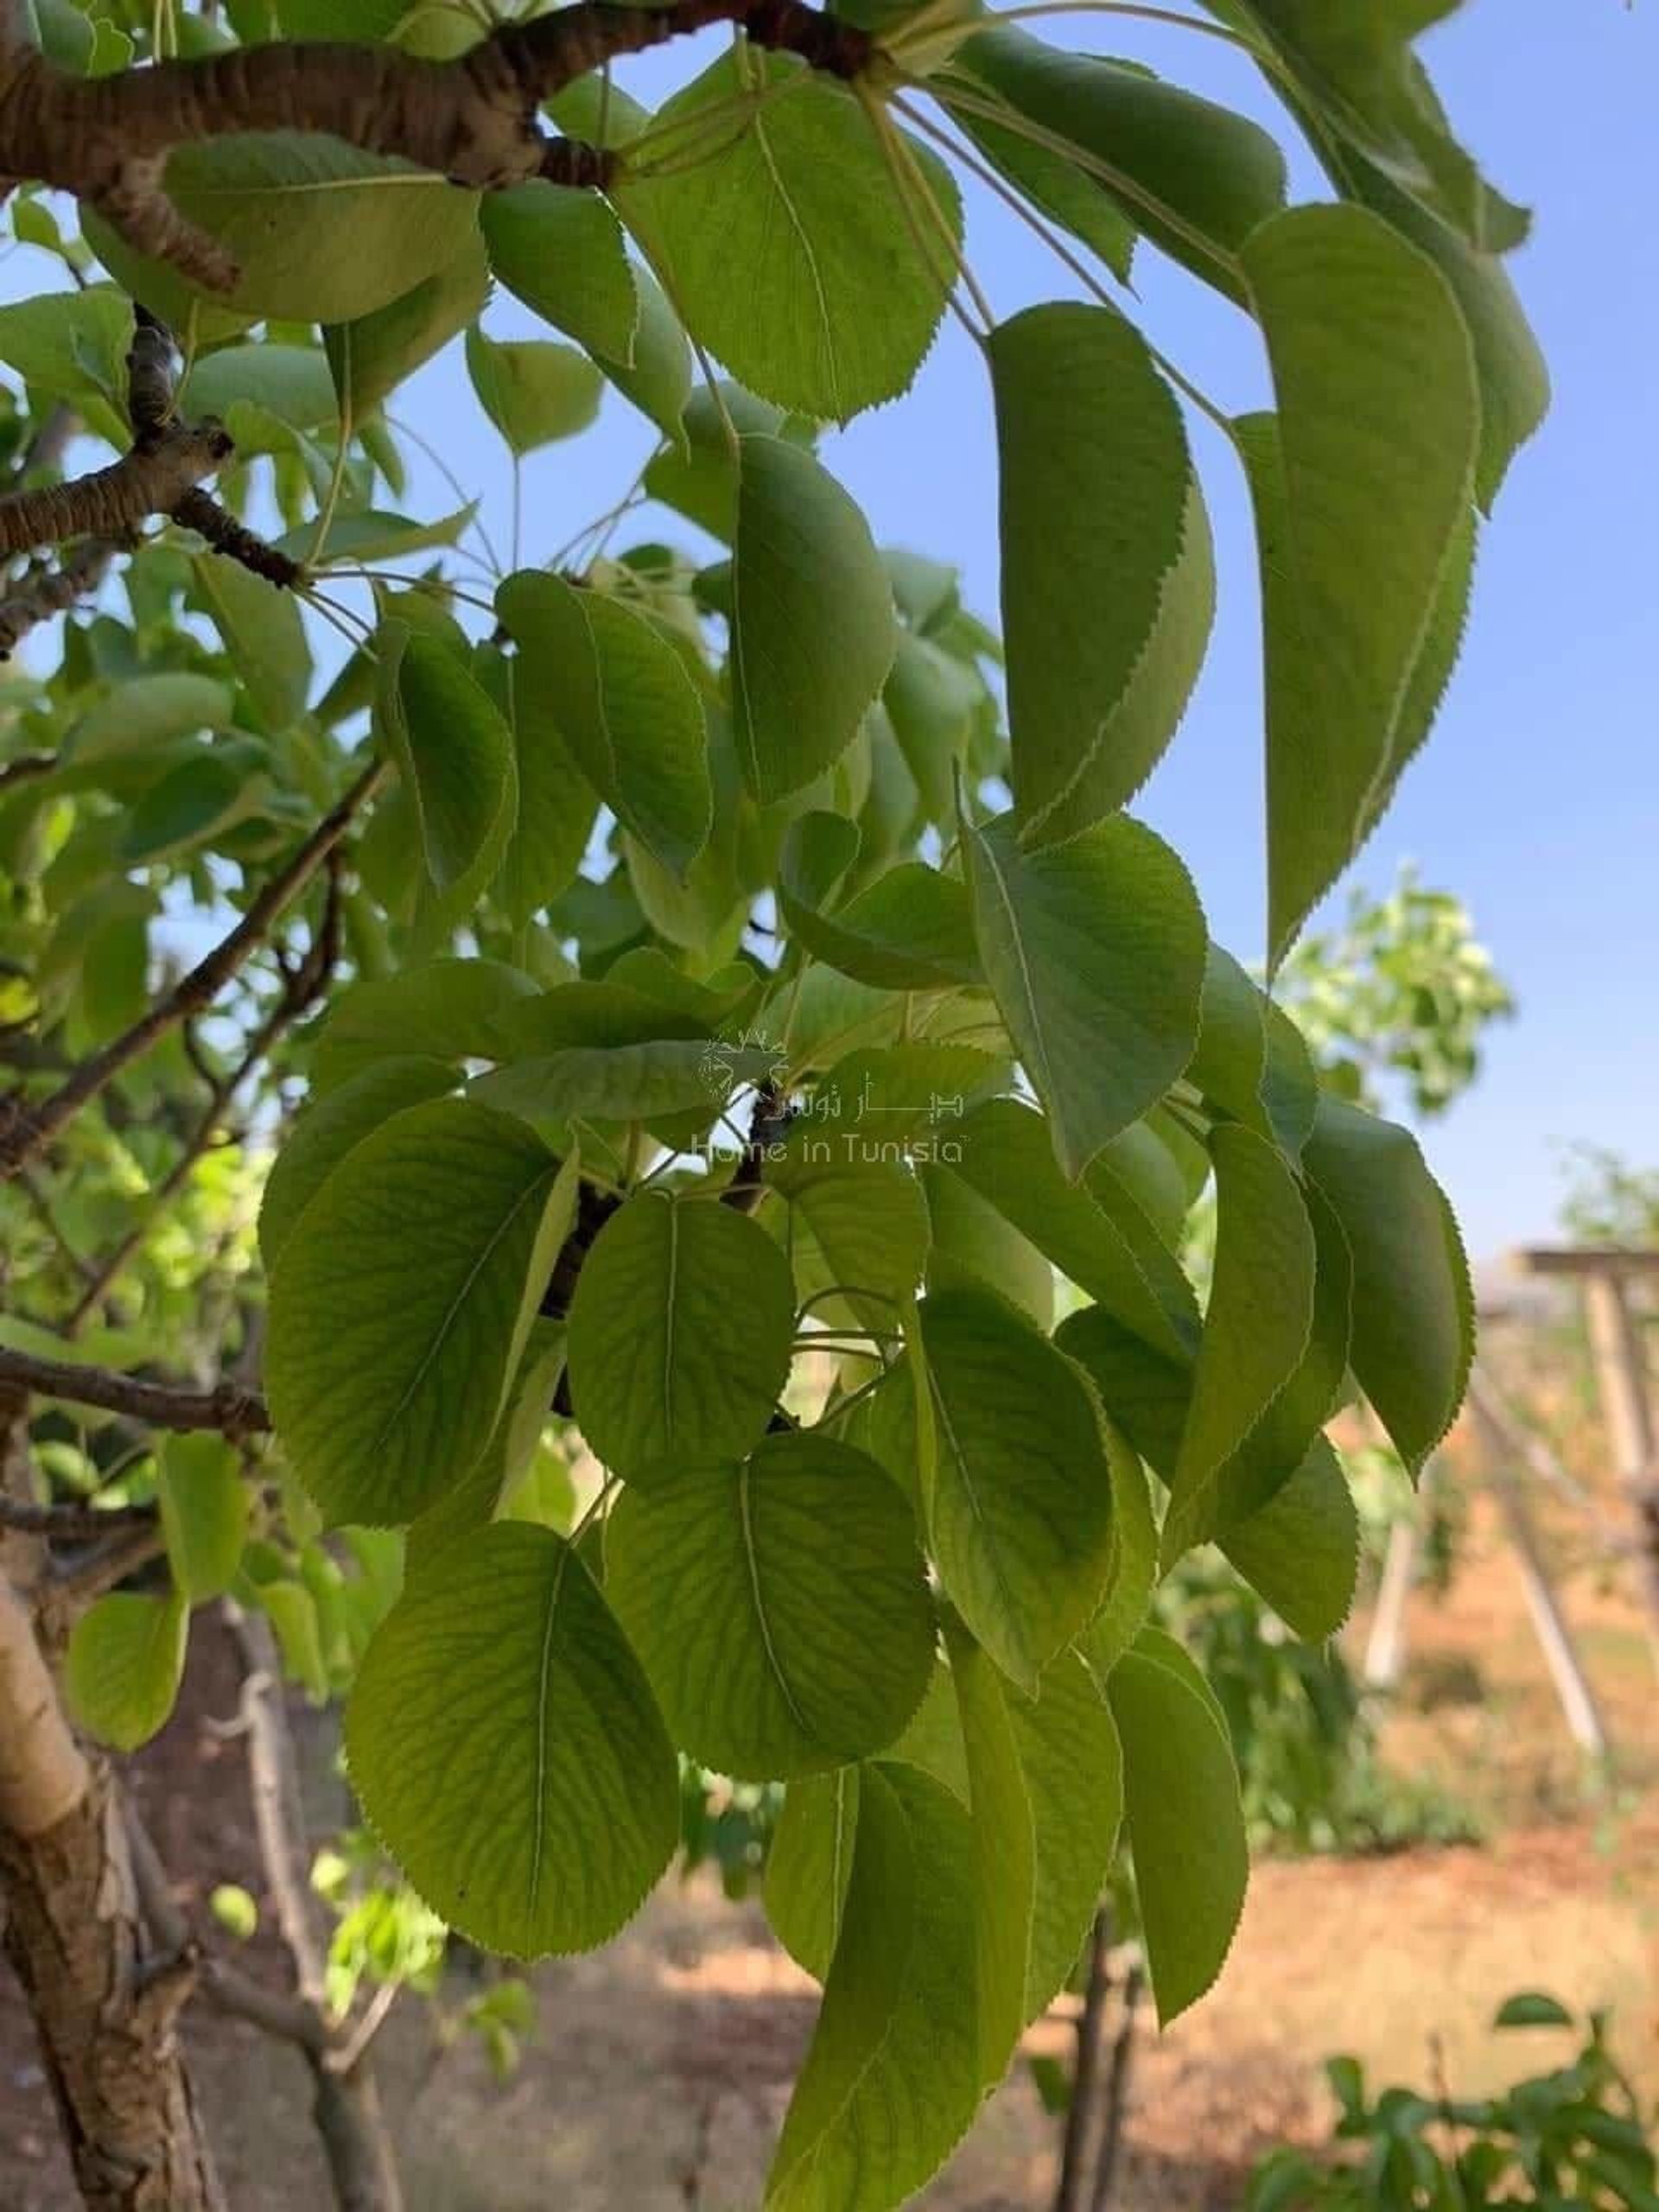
[[659, 2069]]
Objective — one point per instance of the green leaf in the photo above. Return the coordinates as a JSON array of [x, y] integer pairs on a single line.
[[622, 1082], [1352, 62], [124, 1665], [504, 1744], [291, 382], [623, 704], [1046, 1794], [401, 1302], [1020, 1515], [934, 704], [370, 355], [863, 1208], [1300, 1551], [696, 472], [680, 1333], [655, 375], [332, 1125], [974, 1247], [911, 930], [1251, 1060], [561, 252], [1095, 951], [1514, 375], [1107, 570], [1532, 2008], [292, 1611], [1256, 1328], [607, 1013], [1049, 179], [367, 20], [911, 1092], [370, 535], [1186, 1826], [510, 1454], [453, 752], [778, 1605], [73, 345], [533, 390], [891, 2082], [1133, 1578], [162, 288], [264, 635], [1196, 179], [1361, 489], [146, 712], [556, 803], [194, 803], [812, 620], [1108, 1248], [441, 1009], [809, 1867], [319, 232], [1413, 1316], [204, 1503], [838, 305]]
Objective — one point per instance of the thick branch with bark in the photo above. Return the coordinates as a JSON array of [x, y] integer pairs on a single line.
[[473, 119], [111, 502], [107, 2026], [160, 475]]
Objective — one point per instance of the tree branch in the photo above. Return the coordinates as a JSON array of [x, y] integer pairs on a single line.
[[112, 502], [471, 119], [75, 1521], [227, 1407], [20, 770], [224, 1986], [160, 475], [200, 511], [81, 1582], [278, 1814], [25, 1130], [35, 598]]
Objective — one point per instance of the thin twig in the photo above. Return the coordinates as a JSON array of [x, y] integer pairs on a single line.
[[229, 1990], [303, 985], [27, 1130], [1117, 2089], [1080, 2112], [73, 1520]]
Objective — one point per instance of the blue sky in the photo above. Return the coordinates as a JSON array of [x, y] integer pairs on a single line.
[[1538, 800]]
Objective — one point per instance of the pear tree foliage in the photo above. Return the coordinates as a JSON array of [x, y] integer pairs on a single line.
[[720, 1026]]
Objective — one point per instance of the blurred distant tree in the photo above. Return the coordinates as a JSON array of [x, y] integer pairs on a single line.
[[1401, 994]]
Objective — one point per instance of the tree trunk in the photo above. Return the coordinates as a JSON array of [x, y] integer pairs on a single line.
[[105, 2017]]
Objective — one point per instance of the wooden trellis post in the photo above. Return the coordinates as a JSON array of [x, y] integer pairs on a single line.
[[1604, 1274]]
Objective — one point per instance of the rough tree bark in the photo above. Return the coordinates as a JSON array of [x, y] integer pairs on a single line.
[[106, 2019]]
